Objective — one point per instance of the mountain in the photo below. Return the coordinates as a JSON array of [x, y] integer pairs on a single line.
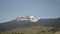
[[52, 22], [28, 21], [22, 21], [27, 18]]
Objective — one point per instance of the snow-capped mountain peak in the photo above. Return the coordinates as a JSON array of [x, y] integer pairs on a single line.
[[27, 18]]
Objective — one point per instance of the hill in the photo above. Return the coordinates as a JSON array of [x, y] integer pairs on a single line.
[[16, 24], [30, 30], [30, 24]]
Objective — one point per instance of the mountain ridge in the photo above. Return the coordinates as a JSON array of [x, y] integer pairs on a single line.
[[27, 18], [16, 24]]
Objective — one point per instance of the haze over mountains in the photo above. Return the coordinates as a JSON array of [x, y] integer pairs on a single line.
[[26, 21]]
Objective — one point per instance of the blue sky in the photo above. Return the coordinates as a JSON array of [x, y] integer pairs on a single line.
[[10, 9]]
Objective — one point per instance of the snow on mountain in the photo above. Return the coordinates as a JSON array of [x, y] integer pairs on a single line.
[[27, 18]]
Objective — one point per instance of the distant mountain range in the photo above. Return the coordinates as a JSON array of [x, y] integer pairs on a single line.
[[26, 21]]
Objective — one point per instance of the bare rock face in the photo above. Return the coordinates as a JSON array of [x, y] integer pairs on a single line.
[[27, 18]]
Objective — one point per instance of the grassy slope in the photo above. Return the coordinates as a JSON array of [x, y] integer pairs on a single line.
[[30, 30]]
